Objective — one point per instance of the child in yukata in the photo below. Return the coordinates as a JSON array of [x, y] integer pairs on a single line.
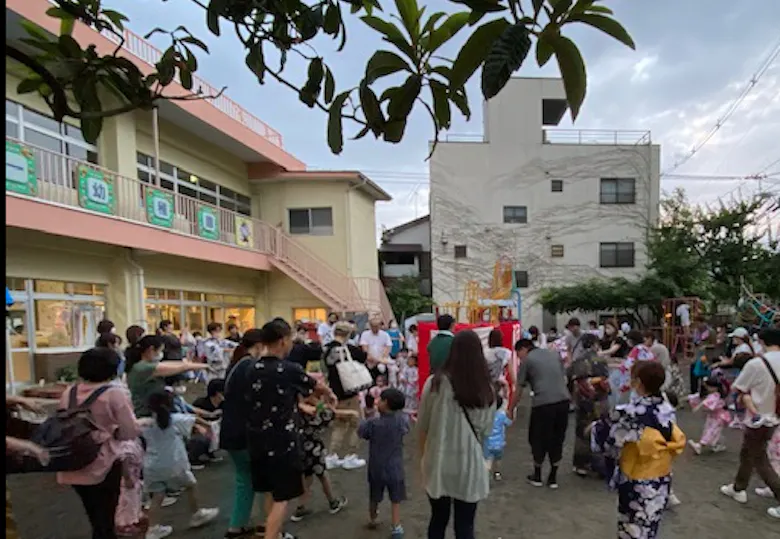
[[712, 399]]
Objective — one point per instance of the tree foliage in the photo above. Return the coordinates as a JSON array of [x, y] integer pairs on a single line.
[[409, 72], [406, 299]]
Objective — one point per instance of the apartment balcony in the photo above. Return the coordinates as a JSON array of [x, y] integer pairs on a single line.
[[601, 137], [58, 194]]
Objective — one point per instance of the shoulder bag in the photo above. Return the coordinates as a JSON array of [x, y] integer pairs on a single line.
[[354, 376], [776, 381]]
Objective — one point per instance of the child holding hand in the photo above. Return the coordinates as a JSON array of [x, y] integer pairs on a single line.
[[496, 442], [385, 435], [712, 399]]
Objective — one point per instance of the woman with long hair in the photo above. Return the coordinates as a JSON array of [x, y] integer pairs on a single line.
[[455, 417]]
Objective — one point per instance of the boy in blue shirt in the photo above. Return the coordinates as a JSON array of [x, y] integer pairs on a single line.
[[496, 442]]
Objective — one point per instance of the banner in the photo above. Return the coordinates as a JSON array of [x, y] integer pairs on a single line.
[[244, 231], [159, 207], [96, 191], [20, 175], [207, 223]]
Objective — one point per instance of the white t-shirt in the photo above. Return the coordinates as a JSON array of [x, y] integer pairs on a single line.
[[376, 342], [325, 333], [684, 312], [411, 344], [743, 348], [625, 327], [756, 380]]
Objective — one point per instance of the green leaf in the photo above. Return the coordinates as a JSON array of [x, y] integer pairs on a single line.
[[166, 67], [394, 130], [66, 26], [431, 22], [362, 133], [409, 13], [192, 40], [392, 34], [116, 18], [384, 63], [332, 21], [505, 57], [311, 90], [599, 9], [475, 51], [572, 71], [441, 104], [608, 26], [460, 100], [185, 76], [34, 30], [543, 50], [371, 109], [448, 28], [255, 61], [29, 85], [444, 71], [91, 128], [560, 7], [481, 6], [212, 15], [192, 62], [335, 128], [70, 47], [401, 102], [330, 86]]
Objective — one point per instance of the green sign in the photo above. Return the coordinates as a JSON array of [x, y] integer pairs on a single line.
[[20, 176], [96, 191], [207, 223], [159, 208]]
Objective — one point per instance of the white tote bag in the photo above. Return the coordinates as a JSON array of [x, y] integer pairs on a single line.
[[354, 376]]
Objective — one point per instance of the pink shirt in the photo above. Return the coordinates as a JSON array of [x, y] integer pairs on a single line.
[[113, 414]]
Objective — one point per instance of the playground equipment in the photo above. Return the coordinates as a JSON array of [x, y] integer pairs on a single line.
[[757, 310], [676, 337], [493, 304]]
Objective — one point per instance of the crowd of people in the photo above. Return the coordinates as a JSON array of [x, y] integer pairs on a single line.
[[288, 407]]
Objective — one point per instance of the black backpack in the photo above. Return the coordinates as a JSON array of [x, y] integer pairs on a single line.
[[69, 434]]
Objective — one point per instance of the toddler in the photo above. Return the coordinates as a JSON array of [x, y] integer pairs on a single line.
[[385, 434], [373, 394], [495, 443], [166, 464], [409, 380], [316, 418], [712, 398]]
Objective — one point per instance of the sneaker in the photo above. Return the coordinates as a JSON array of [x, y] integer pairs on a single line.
[[215, 458], [696, 446], [197, 467], [300, 513], [337, 505], [133, 530], [333, 461], [498, 477], [719, 448], [203, 516], [765, 492], [353, 462], [582, 472], [728, 490], [534, 481], [169, 501], [774, 512], [552, 483], [674, 501], [397, 533], [158, 532]]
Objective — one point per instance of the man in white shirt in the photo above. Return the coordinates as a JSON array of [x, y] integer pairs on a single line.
[[757, 384], [377, 344], [325, 330], [684, 312]]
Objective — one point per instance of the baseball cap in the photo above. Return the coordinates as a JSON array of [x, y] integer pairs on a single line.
[[742, 333]]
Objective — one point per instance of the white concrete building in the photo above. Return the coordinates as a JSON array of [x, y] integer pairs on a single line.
[[563, 205]]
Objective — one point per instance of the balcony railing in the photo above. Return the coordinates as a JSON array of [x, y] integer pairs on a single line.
[[596, 136], [66, 181]]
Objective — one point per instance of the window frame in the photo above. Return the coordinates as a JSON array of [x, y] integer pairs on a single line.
[[312, 229], [554, 184], [619, 196], [525, 279], [510, 216], [557, 248], [616, 254], [462, 249]]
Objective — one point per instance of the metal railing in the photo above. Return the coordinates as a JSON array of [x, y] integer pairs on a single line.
[[58, 182], [149, 54], [595, 136]]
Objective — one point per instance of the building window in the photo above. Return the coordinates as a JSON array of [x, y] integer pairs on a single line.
[[66, 314], [521, 279], [556, 186], [556, 251], [313, 314], [515, 214], [618, 191], [311, 221], [617, 255], [185, 183], [460, 251], [404, 259]]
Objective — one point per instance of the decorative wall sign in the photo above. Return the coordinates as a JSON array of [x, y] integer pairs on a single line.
[[20, 173], [207, 223], [159, 207], [244, 231], [96, 190]]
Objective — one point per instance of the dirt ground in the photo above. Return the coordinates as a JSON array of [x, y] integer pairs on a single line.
[[581, 508]]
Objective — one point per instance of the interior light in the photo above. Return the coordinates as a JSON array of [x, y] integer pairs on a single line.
[[193, 178]]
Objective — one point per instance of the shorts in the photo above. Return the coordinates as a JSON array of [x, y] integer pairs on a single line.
[[283, 480], [494, 454], [176, 483], [396, 491]]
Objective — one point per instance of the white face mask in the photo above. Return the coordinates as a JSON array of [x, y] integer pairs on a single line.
[[180, 390], [158, 356]]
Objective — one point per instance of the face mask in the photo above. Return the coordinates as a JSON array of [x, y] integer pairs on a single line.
[[180, 390], [158, 356]]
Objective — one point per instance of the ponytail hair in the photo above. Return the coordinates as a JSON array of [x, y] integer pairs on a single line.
[[161, 404], [134, 353]]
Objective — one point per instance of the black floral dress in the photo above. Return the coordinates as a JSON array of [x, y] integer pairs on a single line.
[[314, 427]]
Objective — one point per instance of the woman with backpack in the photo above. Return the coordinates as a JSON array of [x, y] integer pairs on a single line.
[[98, 484]]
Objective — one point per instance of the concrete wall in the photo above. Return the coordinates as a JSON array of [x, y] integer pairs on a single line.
[[419, 234], [472, 182], [361, 235]]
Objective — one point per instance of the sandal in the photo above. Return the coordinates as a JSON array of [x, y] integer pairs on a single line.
[[242, 532]]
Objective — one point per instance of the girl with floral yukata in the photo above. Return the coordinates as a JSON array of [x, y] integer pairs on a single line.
[[408, 379], [712, 399], [640, 441], [640, 351]]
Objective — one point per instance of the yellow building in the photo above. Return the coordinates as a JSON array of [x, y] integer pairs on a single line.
[[234, 229]]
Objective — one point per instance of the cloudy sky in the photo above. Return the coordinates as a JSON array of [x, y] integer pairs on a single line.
[[693, 60]]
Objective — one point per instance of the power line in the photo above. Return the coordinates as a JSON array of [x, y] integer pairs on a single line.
[[765, 65]]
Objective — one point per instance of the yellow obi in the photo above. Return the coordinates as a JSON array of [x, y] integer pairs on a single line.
[[651, 457]]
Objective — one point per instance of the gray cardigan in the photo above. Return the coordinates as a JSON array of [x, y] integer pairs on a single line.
[[453, 461]]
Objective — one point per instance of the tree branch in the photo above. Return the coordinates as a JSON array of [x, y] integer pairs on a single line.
[[59, 102]]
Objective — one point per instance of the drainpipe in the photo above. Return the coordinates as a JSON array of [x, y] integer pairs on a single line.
[[139, 273]]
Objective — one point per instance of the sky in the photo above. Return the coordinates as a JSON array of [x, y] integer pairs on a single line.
[[693, 59]]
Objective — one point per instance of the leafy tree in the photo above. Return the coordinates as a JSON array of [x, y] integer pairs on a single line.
[[406, 299], [501, 34]]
